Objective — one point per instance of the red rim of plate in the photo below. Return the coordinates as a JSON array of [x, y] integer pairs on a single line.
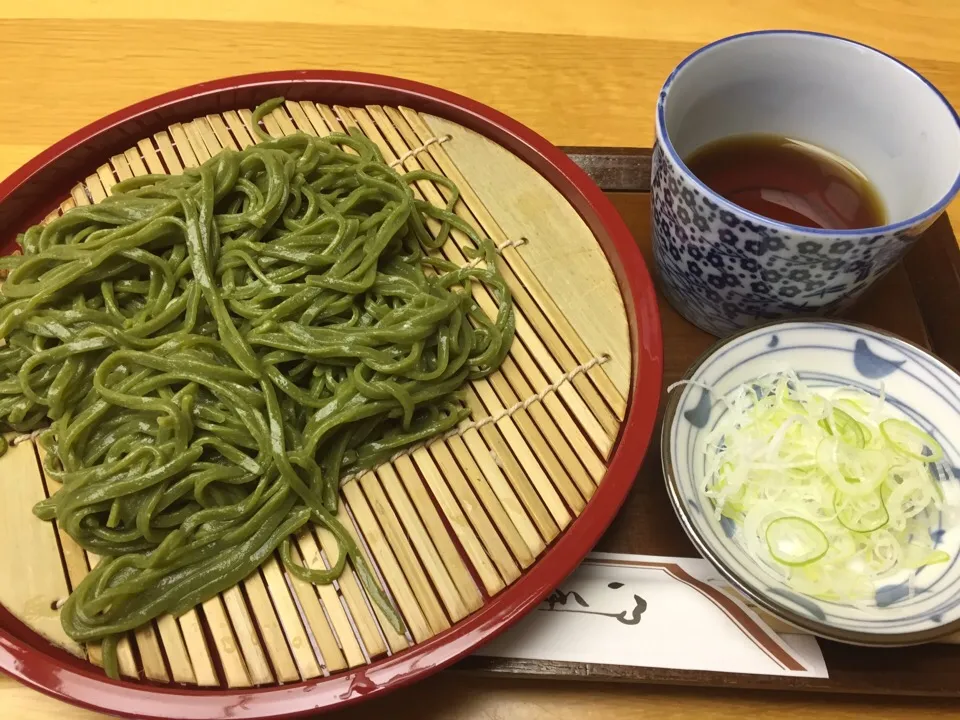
[[28, 195]]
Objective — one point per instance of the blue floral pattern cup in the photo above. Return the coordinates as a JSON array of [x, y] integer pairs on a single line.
[[725, 268]]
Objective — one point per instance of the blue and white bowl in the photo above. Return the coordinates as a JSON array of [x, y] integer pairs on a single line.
[[912, 607], [725, 268]]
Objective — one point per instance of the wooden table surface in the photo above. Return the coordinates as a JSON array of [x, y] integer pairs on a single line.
[[580, 73]]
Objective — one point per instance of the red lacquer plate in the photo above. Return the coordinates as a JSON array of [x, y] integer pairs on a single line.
[[36, 189]]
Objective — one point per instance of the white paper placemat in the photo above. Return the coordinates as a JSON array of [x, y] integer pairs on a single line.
[[651, 611]]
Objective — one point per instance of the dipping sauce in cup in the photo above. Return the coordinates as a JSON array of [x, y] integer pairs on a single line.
[[789, 180]]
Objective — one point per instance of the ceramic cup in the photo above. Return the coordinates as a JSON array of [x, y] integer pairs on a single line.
[[725, 268]]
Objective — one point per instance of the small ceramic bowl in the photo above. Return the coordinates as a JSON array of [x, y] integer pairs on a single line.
[[909, 608], [725, 268]]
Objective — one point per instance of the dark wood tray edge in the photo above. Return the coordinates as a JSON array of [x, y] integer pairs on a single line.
[[594, 672]]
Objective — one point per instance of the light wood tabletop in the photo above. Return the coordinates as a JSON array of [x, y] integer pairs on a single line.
[[579, 73]]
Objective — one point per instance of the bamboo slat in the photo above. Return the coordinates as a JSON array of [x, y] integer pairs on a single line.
[[502, 455], [443, 542], [453, 458], [362, 611], [260, 631], [395, 577], [292, 626], [150, 157], [412, 526], [334, 658], [228, 649], [446, 486], [351, 600], [402, 548], [472, 452], [74, 559], [247, 636], [511, 386], [31, 546]]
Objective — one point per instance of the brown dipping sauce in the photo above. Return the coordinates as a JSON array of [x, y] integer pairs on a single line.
[[789, 181]]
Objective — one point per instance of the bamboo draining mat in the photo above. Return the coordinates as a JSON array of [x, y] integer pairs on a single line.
[[447, 526]]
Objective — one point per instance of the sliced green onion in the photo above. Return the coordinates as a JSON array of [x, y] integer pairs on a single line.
[[861, 515], [853, 408], [847, 429], [831, 490], [917, 556], [907, 439], [855, 473], [795, 542]]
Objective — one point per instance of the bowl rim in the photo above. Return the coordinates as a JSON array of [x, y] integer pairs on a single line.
[[29, 193], [663, 137], [706, 549]]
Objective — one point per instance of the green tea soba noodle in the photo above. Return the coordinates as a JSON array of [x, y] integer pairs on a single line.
[[210, 354]]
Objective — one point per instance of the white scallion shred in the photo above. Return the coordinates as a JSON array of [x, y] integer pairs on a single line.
[[830, 488]]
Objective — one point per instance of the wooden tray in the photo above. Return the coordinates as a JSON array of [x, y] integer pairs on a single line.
[[466, 533], [920, 301]]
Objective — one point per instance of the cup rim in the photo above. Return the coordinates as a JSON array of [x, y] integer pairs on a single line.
[[662, 135]]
